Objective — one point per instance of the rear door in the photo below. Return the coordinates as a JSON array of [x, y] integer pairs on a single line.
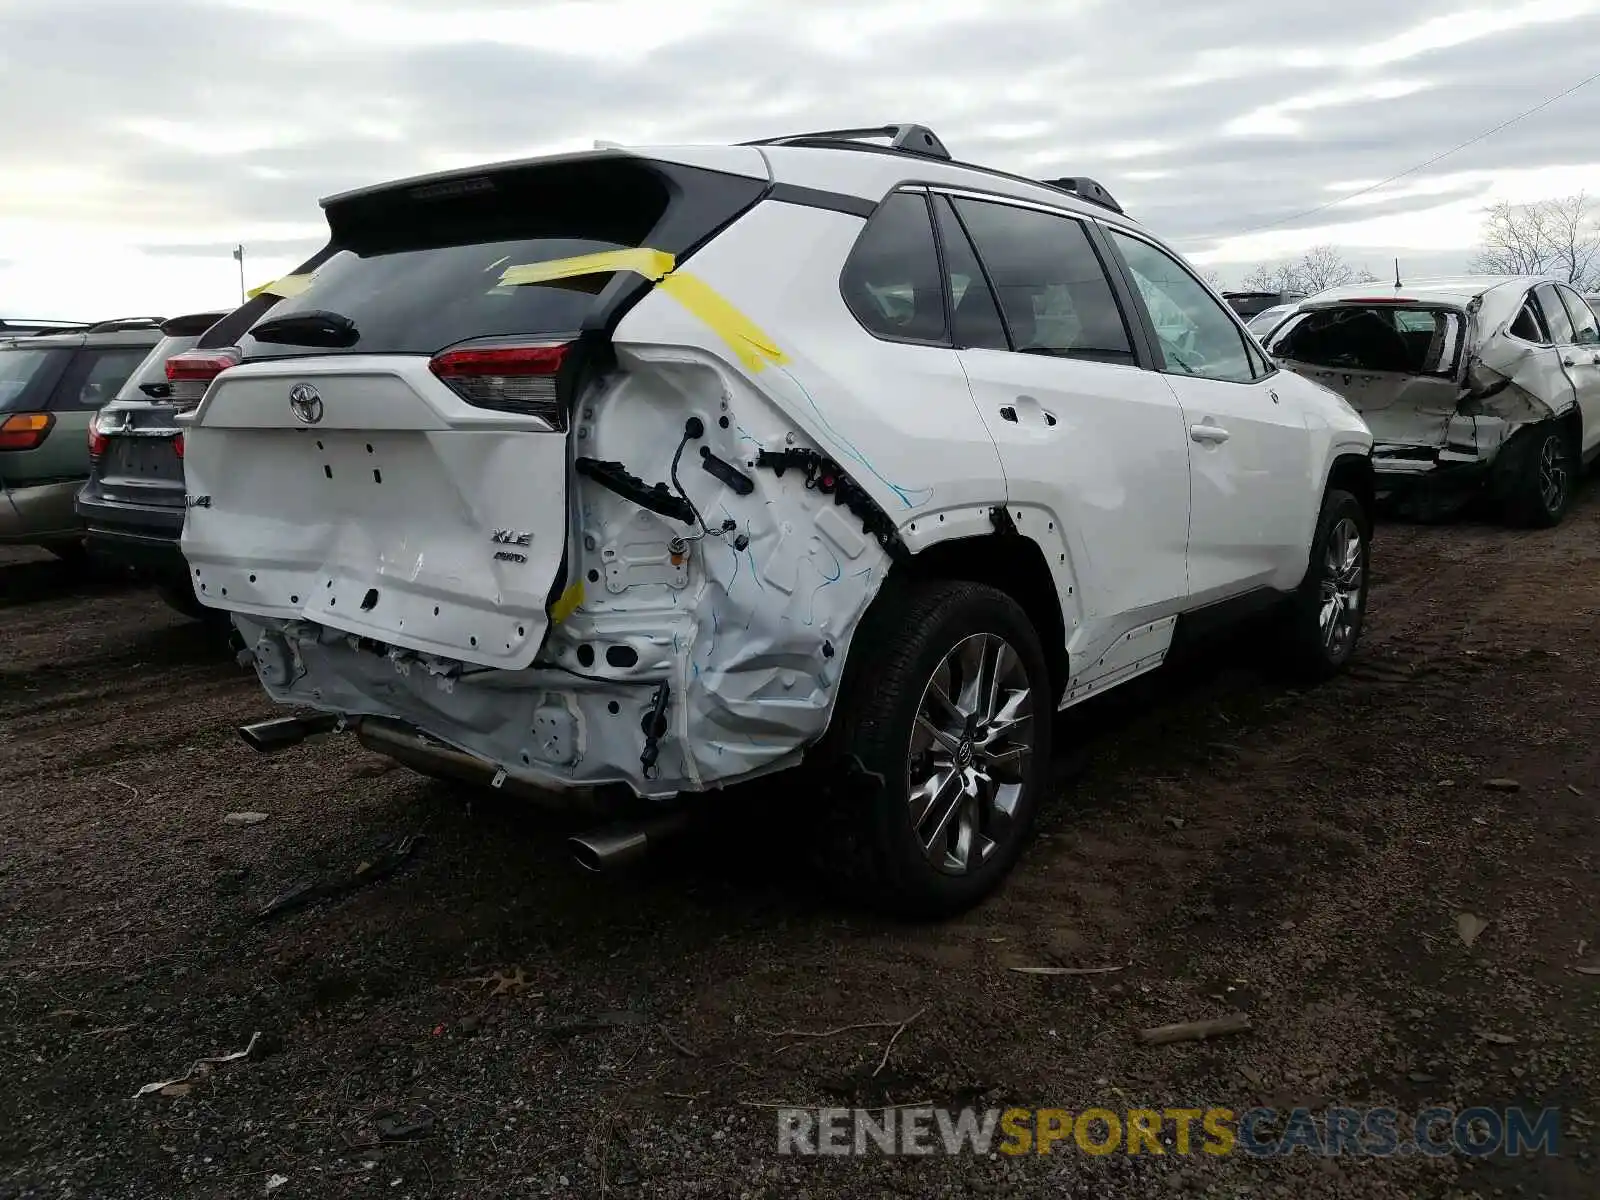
[[391, 458], [1251, 470], [28, 377], [1092, 443], [1581, 359]]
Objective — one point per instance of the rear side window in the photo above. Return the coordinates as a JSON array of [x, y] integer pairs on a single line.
[[96, 375], [1555, 315], [1529, 324], [419, 267], [1054, 292], [27, 374], [1382, 337], [891, 281], [1585, 330]]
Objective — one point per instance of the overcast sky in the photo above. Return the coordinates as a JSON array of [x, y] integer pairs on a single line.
[[140, 139]]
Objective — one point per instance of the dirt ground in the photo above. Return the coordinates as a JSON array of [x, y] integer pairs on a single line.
[[1232, 845]]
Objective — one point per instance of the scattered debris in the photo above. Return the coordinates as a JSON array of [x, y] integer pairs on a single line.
[[390, 856], [276, 1181], [1421, 1077], [1574, 790], [391, 1128], [1587, 970], [1175, 822], [1194, 1031], [1502, 785], [1499, 1039], [894, 1037], [514, 984], [200, 1065], [1469, 926], [1070, 970], [244, 818], [1251, 1077]]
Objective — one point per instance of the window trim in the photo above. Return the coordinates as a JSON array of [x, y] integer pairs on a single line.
[[983, 272], [1148, 323], [945, 342], [1139, 351]]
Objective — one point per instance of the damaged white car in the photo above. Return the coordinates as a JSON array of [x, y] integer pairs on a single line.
[[677, 468], [1466, 383]]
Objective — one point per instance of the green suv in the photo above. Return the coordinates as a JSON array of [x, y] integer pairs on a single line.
[[51, 385]]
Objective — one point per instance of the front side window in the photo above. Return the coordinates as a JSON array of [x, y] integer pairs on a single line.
[[1555, 315], [1586, 331], [1195, 334], [1054, 293], [891, 280]]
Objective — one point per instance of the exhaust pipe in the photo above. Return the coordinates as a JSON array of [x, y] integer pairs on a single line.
[[619, 845], [283, 732]]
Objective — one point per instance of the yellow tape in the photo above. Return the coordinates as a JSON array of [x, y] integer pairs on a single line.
[[749, 343], [285, 288], [566, 603], [652, 264], [753, 347]]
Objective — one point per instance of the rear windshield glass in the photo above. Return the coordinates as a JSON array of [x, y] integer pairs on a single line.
[[18, 367], [420, 301], [418, 267], [1407, 341]]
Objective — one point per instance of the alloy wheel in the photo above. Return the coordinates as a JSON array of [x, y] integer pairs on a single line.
[[1342, 578], [1553, 476], [971, 748]]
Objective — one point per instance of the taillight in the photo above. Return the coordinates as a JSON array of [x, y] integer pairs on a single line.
[[191, 372], [177, 445], [97, 440], [24, 431], [508, 378]]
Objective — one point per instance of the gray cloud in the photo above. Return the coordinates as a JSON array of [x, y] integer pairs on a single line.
[[210, 115]]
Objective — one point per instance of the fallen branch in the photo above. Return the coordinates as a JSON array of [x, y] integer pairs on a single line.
[[884, 1061], [675, 1043], [1194, 1031], [1069, 970]]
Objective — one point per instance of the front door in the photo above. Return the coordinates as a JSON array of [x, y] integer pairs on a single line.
[[1251, 469]]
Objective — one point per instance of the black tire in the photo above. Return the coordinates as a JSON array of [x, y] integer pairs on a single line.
[[180, 597], [1543, 477], [1306, 650], [908, 636]]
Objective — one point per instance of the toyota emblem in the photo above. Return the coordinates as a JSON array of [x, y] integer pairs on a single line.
[[305, 403]]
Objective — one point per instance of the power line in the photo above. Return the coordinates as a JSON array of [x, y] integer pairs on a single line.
[[1311, 212]]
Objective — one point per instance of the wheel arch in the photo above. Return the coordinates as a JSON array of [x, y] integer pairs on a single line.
[[1011, 562], [1351, 472]]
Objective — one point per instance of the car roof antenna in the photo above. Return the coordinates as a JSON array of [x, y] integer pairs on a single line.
[[1397, 284]]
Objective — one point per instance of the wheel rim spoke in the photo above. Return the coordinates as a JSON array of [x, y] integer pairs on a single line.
[[971, 749], [1341, 587]]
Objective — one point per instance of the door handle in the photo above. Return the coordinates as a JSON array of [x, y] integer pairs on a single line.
[[1213, 434], [1008, 413], [1569, 362]]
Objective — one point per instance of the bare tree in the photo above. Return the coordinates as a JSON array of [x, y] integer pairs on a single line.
[[1213, 279], [1318, 268], [1549, 237]]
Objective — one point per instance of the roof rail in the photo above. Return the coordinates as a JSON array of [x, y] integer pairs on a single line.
[[1085, 188], [22, 326], [905, 137], [125, 324]]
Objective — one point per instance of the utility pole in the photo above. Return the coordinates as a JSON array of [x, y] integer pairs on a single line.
[[238, 255]]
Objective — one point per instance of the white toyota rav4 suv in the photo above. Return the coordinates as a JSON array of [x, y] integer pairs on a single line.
[[673, 468]]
